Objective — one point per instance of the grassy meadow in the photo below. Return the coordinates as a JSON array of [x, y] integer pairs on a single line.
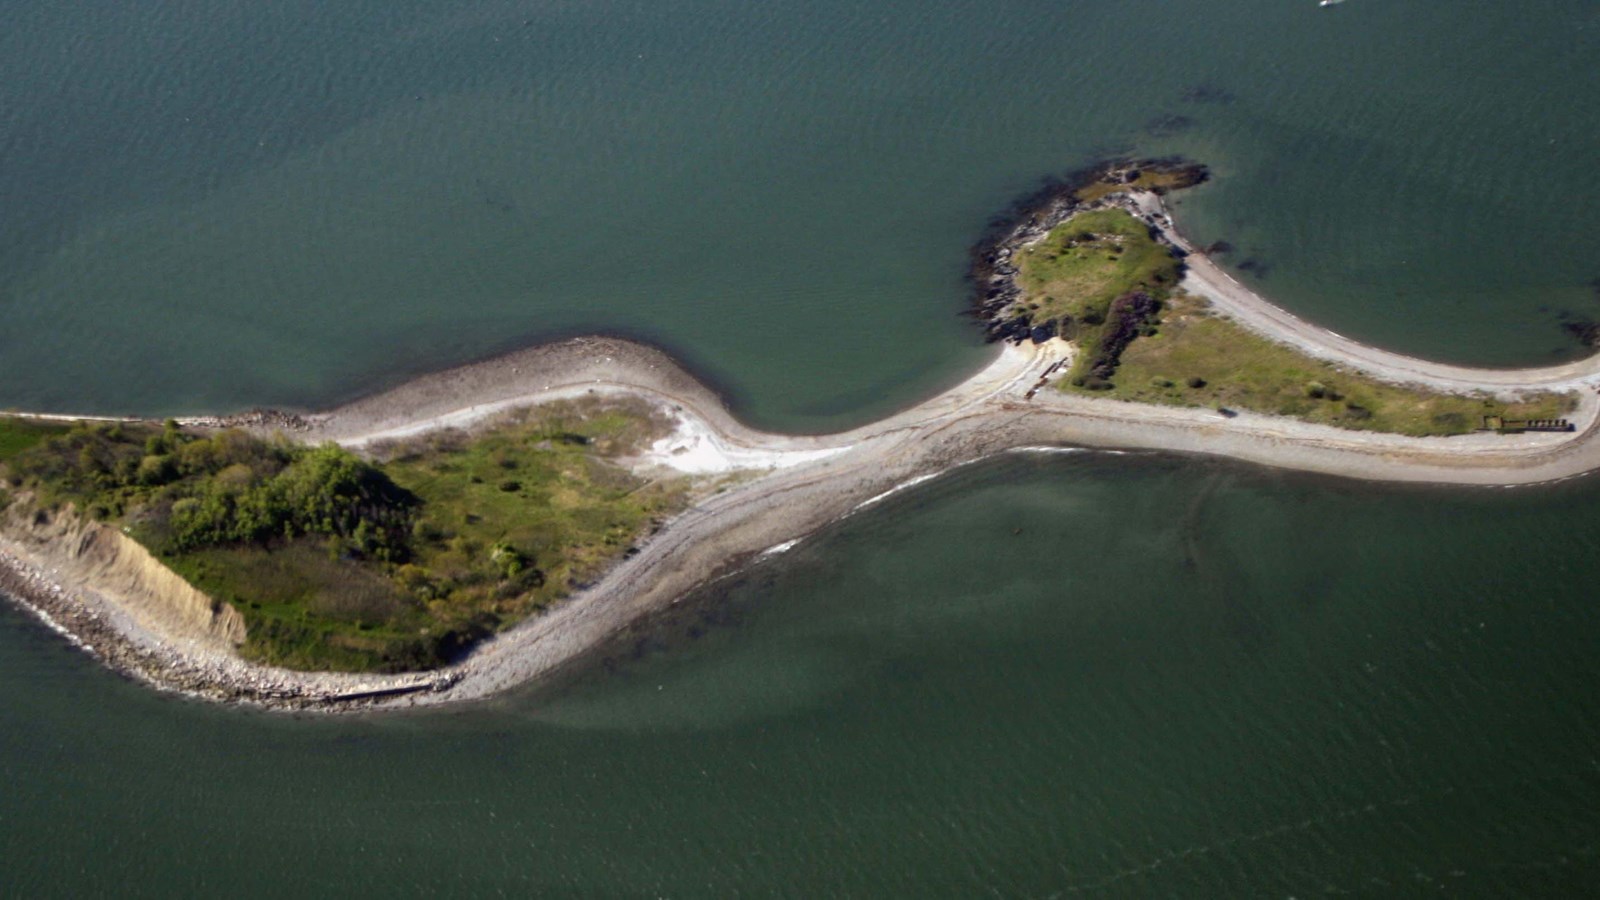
[[17, 435], [1196, 358], [1108, 286], [1083, 264], [1081, 278]]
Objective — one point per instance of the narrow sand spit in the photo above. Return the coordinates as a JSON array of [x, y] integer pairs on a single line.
[[1206, 279], [791, 485]]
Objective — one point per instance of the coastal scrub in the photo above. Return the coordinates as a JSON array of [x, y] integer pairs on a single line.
[[337, 562]]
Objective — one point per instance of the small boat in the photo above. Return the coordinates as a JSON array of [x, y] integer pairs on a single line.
[[1329, 2]]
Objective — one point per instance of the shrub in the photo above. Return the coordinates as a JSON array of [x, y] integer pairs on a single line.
[[510, 560], [327, 492], [1126, 318], [154, 470], [1195, 381]]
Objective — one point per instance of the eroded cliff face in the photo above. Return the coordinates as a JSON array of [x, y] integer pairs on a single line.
[[118, 568]]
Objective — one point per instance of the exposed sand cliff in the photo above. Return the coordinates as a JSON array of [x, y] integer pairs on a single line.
[[155, 600], [107, 594]]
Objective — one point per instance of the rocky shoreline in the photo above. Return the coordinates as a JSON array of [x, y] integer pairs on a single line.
[[993, 274], [92, 624]]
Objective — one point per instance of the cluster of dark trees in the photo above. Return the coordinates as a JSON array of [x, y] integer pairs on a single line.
[[228, 488], [323, 492]]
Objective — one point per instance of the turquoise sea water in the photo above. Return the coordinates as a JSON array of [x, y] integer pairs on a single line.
[[1178, 678]]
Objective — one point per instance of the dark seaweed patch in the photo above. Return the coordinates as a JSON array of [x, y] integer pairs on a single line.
[[1208, 93], [1168, 124]]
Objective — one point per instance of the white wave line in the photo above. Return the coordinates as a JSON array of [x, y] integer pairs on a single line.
[[896, 489], [776, 549]]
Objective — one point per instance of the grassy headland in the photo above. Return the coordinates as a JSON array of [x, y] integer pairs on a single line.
[[1102, 279], [1095, 279], [1085, 263], [342, 563]]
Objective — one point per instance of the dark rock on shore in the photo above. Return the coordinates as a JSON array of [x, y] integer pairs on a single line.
[[1016, 330], [1586, 331]]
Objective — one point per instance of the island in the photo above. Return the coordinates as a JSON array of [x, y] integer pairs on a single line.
[[484, 526]]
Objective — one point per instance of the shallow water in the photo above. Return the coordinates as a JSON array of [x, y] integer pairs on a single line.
[[1177, 678], [1250, 683]]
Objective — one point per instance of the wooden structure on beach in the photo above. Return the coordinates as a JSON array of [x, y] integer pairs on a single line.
[[1518, 426]]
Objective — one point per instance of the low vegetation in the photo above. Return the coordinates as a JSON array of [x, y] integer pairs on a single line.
[[1193, 357], [1098, 275], [1103, 280], [340, 562], [17, 435]]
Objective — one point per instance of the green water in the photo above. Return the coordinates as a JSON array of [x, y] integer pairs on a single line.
[[1177, 679], [291, 203], [1252, 685]]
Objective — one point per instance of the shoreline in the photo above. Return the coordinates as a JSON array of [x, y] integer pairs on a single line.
[[793, 485]]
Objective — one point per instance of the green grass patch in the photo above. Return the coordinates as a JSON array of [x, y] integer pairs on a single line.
[[1200, 359], [1084, 263], [306, 608], [17, 435], [1076, 272], [341, 563]]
